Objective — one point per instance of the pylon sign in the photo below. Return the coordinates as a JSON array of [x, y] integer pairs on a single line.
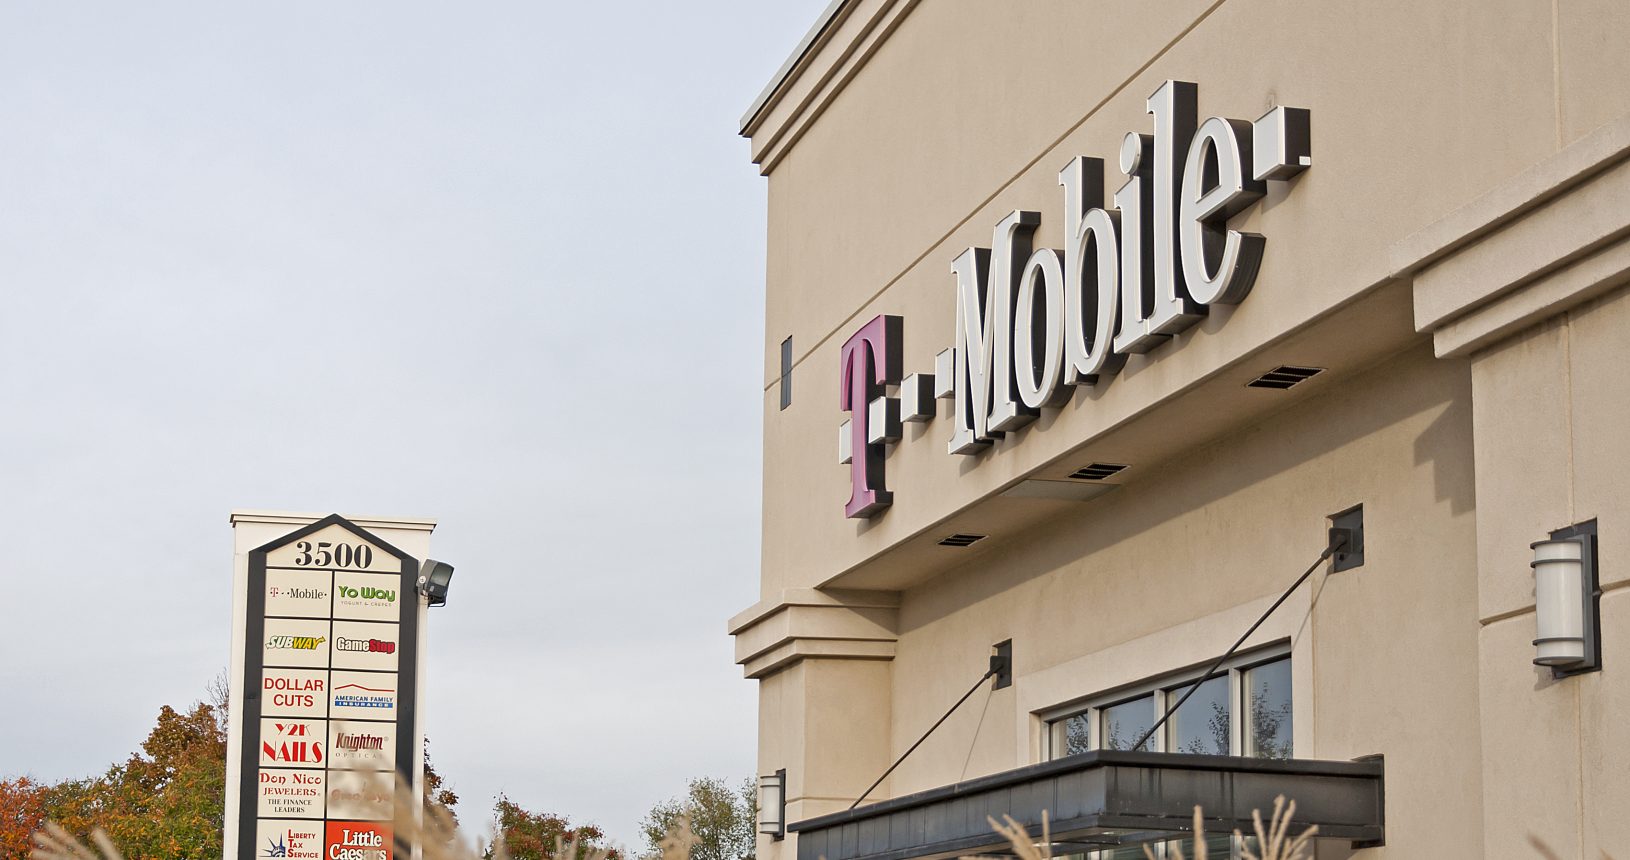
[[326, 700]]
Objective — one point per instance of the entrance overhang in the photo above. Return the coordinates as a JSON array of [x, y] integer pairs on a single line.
[[1104, 798]]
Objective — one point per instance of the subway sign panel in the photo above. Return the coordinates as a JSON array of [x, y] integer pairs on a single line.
[[1033, 325], [331, 638]]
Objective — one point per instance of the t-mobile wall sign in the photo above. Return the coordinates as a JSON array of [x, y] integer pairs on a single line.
[[1035, 324], [325, 705]]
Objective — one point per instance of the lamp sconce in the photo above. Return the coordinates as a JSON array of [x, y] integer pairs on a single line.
[[1567, 601], [772, 804]]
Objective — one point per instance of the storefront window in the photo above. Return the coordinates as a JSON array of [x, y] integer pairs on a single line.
[[1255, 686], [1268, 702], [1124, 723], [1201, 726], [1077, 735]]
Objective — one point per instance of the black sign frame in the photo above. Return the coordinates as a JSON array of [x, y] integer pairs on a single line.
[[254, 670]]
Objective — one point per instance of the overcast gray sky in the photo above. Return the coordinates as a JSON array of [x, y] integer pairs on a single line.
[[499, 264]]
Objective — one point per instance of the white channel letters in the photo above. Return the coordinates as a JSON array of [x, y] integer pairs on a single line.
[[1033, 323]]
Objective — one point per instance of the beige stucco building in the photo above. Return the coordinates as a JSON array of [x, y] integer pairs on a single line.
[[1446, 246]]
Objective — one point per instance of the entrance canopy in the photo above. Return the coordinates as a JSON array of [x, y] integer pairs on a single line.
[[1101, 799]]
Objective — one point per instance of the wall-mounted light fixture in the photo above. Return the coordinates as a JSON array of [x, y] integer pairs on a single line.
[[1567, 601], [772, 804], [434, 577]]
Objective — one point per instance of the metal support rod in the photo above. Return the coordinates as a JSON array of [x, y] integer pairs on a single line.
[[971, 691], [1338, 539]]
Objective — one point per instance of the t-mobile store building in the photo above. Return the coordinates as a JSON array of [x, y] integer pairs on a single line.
[[1092, 327]]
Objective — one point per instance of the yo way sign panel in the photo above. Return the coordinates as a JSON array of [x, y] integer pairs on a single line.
[[331, 640]]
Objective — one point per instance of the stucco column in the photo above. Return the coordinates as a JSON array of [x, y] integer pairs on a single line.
[[823, 663], [1528, 282]]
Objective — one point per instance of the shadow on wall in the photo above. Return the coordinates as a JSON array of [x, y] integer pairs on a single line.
[[1211, 501]]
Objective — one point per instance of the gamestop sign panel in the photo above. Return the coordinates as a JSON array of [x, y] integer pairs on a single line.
[[331, 639]]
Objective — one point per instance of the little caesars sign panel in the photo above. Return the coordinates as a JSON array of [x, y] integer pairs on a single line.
[[327, 720], [1032, 324]]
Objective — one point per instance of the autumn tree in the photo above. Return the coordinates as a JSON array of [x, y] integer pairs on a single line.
[[535, 836], [22, 811], [166, 802], [722, 820]]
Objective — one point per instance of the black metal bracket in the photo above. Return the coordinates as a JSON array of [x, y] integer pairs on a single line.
[[1348, 524], [1001, 665]]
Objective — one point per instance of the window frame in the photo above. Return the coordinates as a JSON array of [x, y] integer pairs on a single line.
[[1162, 688]]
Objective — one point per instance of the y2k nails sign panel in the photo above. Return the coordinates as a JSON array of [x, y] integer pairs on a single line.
[[293, 743]]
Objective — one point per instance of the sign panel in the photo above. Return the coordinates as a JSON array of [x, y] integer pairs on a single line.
[[294, 693], [365, 645], [366, 596], [360, 794], [299, 593], [362, 696], [331, 634], [292, 793], [359, 840], [289, 839], [295, 642], [292, 743], [361, 746]]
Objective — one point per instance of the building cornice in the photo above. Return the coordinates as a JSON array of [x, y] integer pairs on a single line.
[[298, 519], [845, 37], [805, 623], [1547, 240], [794, 64]]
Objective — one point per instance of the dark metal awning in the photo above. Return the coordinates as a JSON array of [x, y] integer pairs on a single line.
[[1104, 798]]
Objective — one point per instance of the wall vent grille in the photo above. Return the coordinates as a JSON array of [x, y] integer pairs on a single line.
[[1097, 471], [1284, 376], [961, 540]]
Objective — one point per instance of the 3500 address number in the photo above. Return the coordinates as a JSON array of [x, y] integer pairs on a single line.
[[326, 554]]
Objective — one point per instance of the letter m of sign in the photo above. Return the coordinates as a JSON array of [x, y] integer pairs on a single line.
[[869, 360], [987, 396]]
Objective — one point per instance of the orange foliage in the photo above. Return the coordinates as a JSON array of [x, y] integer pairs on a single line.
[[22, 811]]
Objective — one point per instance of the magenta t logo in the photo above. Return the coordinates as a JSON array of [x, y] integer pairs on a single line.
[[870, 360]]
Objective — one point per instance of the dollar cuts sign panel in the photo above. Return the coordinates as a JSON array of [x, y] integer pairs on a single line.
[[294, 692], [331, 634]]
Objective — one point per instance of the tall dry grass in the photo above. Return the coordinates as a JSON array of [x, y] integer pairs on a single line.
[[442, 839], [1274, 841], [436, 832]]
